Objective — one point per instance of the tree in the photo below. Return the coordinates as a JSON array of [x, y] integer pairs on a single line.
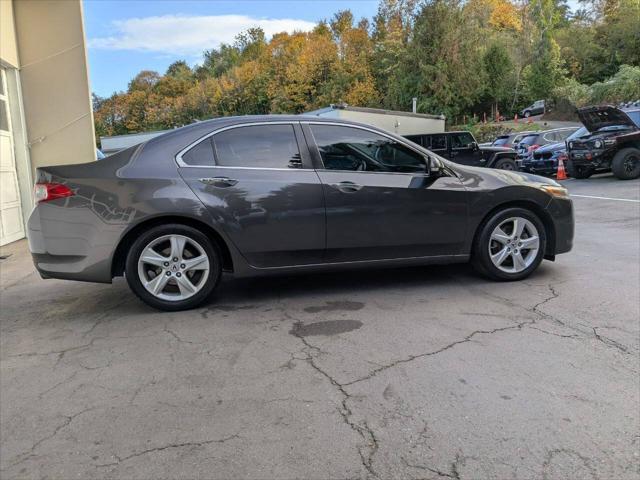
[[498, 68]]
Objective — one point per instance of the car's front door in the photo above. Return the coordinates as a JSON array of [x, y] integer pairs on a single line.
[[463, 149], [382, 201], [259, 185]]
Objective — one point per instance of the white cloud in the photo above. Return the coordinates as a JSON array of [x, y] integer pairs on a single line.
[[188, 34]]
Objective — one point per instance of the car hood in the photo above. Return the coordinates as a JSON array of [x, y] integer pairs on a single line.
[[492, 177], [495, 149], [595, 118]]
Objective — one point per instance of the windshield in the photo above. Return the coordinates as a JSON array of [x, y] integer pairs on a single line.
[[613, 128], [581, 132], [635, 116], [500, 141], [529, 140]]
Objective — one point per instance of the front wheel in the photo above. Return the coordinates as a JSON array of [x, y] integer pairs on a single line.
[[506, 164], [173, 267], [626, 164], [527, 114], [509, 245]]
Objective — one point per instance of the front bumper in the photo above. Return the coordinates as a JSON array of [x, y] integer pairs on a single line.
[[590, 158], [561, 212]]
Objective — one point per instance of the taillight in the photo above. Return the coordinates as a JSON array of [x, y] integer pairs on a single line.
[[50, 191], [533, 147]]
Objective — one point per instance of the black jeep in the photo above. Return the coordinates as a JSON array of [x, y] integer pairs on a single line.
[[462, 148], [613, 143]]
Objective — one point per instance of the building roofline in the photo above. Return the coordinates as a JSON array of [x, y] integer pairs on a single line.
[[379, 111]]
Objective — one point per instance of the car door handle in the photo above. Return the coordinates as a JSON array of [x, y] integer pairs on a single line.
[[347, 187], [219, 181]]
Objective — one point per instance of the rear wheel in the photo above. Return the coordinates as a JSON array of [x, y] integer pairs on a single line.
[[579, 171], [173, 267], [506, 164], [510, 245], [527, 114], [626, 164]]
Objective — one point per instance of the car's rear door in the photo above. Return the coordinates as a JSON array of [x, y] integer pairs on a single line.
[[258, 183], [381, 200]]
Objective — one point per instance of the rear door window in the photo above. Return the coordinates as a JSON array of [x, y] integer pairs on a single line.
[[201, 155], [258, 146], [529, 140]]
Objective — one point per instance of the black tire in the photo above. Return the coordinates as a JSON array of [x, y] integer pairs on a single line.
[[580, 172], [210, 283], [626, 164], [506, 164], [480, 257]]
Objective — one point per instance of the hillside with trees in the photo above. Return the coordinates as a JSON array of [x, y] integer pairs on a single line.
[[458, 58]]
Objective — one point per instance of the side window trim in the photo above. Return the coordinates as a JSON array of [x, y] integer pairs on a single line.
[[318, 157], [304, 152]]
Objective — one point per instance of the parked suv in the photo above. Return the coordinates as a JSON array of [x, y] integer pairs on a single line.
[[462, 148], [510, 140], [613, 143], [533, 141], [536, 108], [544, 160]]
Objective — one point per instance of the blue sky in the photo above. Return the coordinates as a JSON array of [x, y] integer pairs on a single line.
[[124, 37]]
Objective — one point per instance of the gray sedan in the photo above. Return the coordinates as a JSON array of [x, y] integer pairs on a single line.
[[269, 194]]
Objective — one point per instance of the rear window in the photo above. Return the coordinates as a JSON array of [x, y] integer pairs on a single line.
[[258, 146], [529, 139]]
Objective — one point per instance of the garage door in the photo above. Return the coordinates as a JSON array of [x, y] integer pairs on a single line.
[[11, 226]]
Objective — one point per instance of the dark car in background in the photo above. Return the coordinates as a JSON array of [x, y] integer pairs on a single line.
[[613, 143], [544, 160], [284, 194], [533, 141], [510, 140], [461, 147], [536, 108]]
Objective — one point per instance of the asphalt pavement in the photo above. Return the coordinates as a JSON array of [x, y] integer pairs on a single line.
[[430, 372]]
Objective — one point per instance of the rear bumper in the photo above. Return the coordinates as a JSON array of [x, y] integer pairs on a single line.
[[68, 243]]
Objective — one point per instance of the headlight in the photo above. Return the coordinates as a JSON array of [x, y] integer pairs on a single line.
[[570, 144], [598, 144], [555, 191]]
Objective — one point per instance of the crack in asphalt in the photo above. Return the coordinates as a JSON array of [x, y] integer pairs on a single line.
[[364, 431], [120, 460], [31, 452], [453, 471], [608, 341]]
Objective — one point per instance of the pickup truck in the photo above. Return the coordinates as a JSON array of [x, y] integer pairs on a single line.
[[461, 147], [612, 143]]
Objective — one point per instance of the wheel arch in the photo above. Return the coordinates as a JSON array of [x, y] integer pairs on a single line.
[[542, 214], [499, 156], [120, 254]]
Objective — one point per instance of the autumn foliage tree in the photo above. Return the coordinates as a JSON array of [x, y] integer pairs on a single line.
[[457, 57]]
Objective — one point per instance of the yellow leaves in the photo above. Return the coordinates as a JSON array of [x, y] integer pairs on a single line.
[[505, 16]]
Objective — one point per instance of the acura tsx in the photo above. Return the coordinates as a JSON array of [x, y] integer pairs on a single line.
[[259, 194]]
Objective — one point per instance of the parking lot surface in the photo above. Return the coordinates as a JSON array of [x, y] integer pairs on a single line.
[[429, 372]]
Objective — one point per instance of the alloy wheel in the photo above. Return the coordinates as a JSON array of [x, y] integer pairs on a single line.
[[630, 163], [173, 267], [514, 245]]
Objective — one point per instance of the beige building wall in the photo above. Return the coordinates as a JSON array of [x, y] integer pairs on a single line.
[[8, 46], [54, 78]]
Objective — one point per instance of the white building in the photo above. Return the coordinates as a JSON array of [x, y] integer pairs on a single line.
[[45, 104], [401, 123]]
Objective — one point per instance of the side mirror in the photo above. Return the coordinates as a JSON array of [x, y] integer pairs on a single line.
[[434, 167], [474, 146]]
